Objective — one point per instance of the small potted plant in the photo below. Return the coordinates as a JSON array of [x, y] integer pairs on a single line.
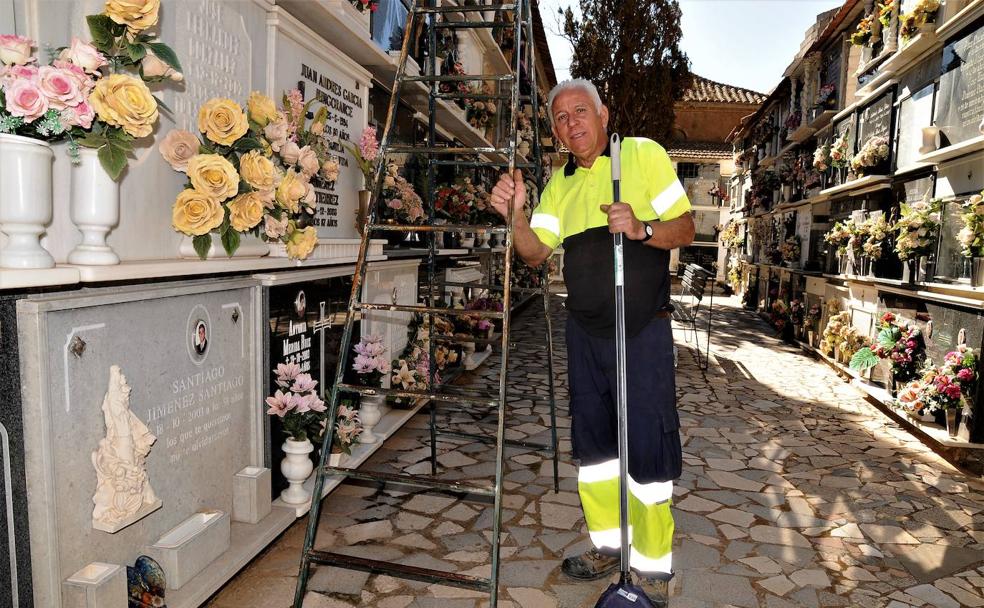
[[899, 342], [348, 432], [971, 237], [301, 412], [917, 229], [371, 366]]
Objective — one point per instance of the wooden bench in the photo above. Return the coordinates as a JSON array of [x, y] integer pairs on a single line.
[[689, 305]]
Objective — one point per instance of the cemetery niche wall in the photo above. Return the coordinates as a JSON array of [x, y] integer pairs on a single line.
[[188, 412]]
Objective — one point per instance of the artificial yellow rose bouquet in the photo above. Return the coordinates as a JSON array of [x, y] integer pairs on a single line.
[[92, 94], [253, 170]]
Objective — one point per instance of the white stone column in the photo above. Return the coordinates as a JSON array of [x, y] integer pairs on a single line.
[[811, 82]]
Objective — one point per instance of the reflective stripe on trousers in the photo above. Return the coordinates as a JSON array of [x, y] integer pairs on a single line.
[[650, 519]]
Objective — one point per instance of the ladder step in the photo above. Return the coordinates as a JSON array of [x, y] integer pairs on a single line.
[[484, 314], [475, 393], [480, 228], [482, 97], [475, 163], [459, 78], [424, 575], [533, 290], [443, 396], [417, 481], [397, 149], [466, 339], [513, 443], [447, 25], [437, 10]]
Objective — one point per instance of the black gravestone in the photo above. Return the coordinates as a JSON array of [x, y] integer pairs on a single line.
[[876, 119], [705, 257], [15, 570], [961, 94], [830, 72], [306, 322]]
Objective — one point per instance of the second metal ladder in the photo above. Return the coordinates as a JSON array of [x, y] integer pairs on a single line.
[[518, 17]]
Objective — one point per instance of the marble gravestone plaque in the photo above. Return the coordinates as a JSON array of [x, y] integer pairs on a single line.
[[189, 353], [298, 58], [876, 120], [961, 94], [214, 40]]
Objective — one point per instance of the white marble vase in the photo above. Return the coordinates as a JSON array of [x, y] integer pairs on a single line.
[[296, 467], [95, 210], [370, 413], [25, 203]]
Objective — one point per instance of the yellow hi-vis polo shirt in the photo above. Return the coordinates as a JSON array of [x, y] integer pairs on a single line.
[[570, 203], [570, 212]]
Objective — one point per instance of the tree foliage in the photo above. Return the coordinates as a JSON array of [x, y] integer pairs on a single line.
[[630, 50]]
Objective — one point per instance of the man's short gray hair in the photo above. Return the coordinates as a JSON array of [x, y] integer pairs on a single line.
[[574, 84]]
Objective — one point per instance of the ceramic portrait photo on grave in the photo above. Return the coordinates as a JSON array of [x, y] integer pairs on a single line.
[[154, 388]]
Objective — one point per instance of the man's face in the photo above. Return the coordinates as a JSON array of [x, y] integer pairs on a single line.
[[576, 122], [201, 333]]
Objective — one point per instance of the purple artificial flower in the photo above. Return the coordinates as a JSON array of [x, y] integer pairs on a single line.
[[303, 383], [286, 372], [316, 405], [302, 403], [280, 403], [364, 364], [382, 364], [965, 375]]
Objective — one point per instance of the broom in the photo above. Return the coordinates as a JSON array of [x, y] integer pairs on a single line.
[[622, 594]]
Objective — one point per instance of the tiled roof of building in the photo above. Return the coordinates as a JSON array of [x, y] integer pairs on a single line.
[[700, 150], [704, 90]]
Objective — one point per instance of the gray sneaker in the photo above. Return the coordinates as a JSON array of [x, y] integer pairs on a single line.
[[590, 565], [657, 590]]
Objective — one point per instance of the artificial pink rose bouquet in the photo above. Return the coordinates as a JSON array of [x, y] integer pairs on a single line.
[[93, 94]]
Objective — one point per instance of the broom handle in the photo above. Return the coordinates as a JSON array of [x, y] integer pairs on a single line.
[[622, 397]]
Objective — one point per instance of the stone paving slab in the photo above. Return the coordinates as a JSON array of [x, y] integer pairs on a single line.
[[795, 492]]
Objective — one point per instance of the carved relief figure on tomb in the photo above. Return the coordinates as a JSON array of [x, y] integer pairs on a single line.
[[123, 491]]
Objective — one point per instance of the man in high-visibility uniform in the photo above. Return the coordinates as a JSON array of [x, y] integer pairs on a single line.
[[576, 209]]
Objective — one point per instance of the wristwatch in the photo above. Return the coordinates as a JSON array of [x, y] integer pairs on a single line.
[[649, 231]]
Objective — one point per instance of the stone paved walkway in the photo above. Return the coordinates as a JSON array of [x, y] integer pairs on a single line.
[[795, 492]]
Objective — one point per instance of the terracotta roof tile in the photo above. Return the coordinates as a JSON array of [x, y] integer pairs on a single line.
[[704, 90], [701, 150]]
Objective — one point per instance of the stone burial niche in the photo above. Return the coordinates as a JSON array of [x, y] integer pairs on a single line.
[[141, 410]]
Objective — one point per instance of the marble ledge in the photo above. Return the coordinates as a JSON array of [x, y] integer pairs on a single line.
[[955, 24], [870, 182], [864, 100], [952, 293], [975, 144], [11, 278], [151, 269], [906, 56]]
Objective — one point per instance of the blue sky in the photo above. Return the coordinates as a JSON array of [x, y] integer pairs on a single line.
[[747, 43]]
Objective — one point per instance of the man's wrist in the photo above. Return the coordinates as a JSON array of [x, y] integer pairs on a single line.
[[641, 234]]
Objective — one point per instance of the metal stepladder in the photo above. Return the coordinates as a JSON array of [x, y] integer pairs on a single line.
[[434, 18]]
